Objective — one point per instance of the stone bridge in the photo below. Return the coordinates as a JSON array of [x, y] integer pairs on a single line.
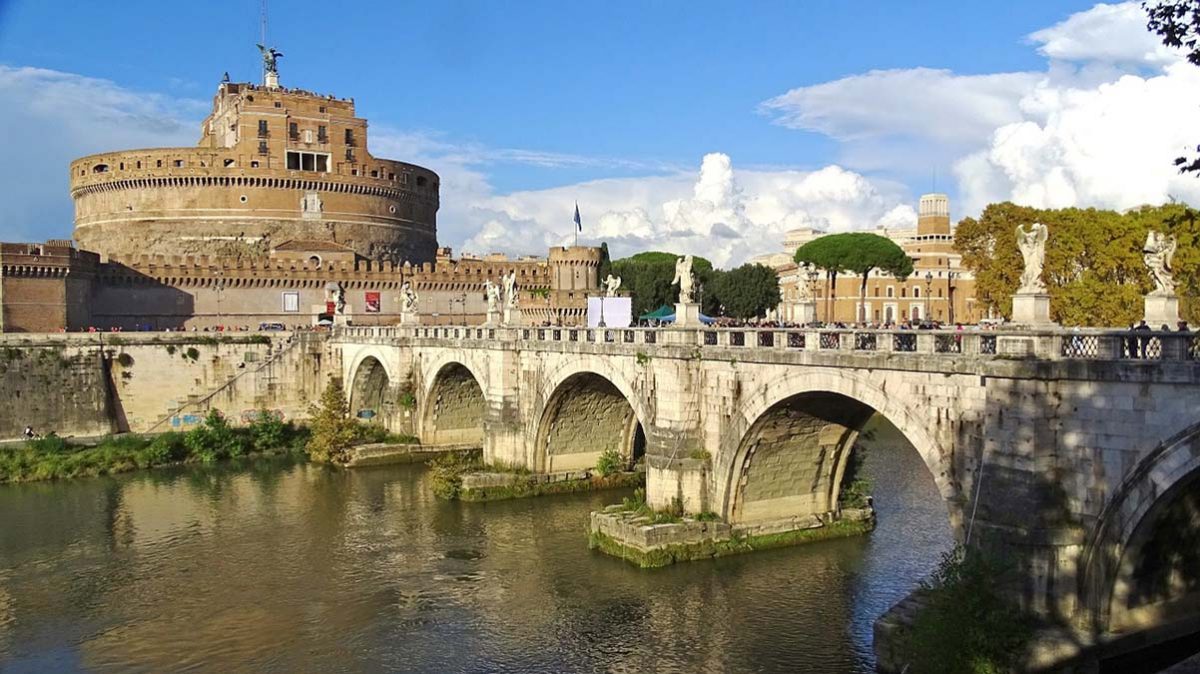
[[1077, 453]]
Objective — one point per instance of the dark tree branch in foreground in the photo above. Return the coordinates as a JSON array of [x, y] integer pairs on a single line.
[[1177, 22]]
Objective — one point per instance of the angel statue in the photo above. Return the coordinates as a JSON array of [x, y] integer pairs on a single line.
[[1158, 253], [492, 291], [269, 56], [611, 284], [804, 291], [510, 289], [1032, 244], [408, 299], [683, 276]]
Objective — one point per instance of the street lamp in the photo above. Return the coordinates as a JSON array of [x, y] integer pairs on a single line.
[[928, 292], [950, 294], [813, 275]]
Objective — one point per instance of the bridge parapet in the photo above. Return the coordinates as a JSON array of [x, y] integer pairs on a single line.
[[1049, 345]]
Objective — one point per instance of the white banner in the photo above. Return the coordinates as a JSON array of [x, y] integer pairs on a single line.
[[617, 312]]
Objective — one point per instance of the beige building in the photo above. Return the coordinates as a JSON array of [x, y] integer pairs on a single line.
[[940, 288]]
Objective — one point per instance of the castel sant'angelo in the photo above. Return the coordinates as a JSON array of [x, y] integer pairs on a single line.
[[280, 214]]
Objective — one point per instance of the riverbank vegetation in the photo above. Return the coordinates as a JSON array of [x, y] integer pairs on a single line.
[[334, 431], [212, 440], [966, 626]]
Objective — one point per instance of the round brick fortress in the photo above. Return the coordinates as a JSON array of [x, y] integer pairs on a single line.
[[270, 168]]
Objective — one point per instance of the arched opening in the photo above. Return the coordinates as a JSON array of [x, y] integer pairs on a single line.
[[1158, 577], [454, 408], [586, 416], [368, 391]]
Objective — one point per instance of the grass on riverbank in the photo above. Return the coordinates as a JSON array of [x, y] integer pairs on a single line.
[[213, 440]]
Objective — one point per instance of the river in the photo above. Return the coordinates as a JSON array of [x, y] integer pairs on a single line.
[[277, 566]]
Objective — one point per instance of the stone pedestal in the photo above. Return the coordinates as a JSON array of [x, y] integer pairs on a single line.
[[410, 318], [1032, 309], [512, 316], [493, 318], [687, 315], [271, 80], [1162, 310], [803, 312]]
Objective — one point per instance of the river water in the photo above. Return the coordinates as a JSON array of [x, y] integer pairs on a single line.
[[277, 566]]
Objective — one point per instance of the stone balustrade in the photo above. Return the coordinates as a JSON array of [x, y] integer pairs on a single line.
[[1057, 344]]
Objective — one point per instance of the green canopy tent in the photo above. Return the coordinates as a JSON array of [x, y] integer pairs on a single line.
[[665, 311]]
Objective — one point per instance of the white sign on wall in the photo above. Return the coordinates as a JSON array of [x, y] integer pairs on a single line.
[[617, 312]]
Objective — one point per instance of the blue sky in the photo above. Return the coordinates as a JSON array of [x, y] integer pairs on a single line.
[[521, 104]]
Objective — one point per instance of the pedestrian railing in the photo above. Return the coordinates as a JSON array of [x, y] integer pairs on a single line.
[[1053, 344]]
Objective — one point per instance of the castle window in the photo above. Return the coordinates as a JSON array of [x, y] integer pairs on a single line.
[[916, 291], [228, 163], [374, 173], [293, 131], [263, 131], [391, 176], [891, 291], [100, 168], [322, 133], [254, 164], [420, 181], [278, 104], [350, 137], [157, 163], [262, 147], [178, 163], [307, 161], [139, 164], [308, 135], [122, 166]]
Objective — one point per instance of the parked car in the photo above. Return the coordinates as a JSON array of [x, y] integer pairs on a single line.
[[271, 326]]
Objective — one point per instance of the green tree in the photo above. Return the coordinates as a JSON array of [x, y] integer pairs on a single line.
[[859, 253], [824, 253], [647, 277], [214, 439], [748, 291], [333, 431], [605, 267]]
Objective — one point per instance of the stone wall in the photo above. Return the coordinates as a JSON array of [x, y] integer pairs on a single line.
[[104, 382], [456, 410]]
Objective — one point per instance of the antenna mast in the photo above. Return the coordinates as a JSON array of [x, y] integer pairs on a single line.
[[264, 22]]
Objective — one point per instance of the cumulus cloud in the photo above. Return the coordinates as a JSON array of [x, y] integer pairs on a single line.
[[1098, 127], [1106, 34], [724, 214]]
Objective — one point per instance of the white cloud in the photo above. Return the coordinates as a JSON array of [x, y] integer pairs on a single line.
[[1099, 126], [55, 117], [1106, 34], [723, 214]]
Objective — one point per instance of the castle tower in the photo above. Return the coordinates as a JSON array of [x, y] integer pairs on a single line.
[[933, 214], [574, 268], [272, 165]]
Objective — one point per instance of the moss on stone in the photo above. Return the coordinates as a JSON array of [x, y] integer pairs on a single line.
[[525, 487], [708, 549]]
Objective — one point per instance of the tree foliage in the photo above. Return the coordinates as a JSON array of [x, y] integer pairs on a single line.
[[333, 431], [966, 626], [748, 291], [605, 267], [1094, 270], [1177, 22], [859, 253], [647, 276]]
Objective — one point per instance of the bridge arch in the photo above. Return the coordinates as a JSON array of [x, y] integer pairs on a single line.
[[585, 414], [453, 406], [787, 447], [1141, 565], [369, 389]]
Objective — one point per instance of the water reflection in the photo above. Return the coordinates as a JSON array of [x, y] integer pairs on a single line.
[[280, 567]]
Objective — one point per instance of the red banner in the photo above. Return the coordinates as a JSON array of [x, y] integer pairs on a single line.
[[373, 303]]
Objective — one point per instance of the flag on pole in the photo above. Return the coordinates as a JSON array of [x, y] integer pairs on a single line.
[[578, 222]]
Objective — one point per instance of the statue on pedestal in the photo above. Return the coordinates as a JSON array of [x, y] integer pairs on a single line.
[[804, 291], [611, 284], [492, 292], [510, 289], [1159, 252], [685, 279], [1032, 244], [408, 299], [269, 56]]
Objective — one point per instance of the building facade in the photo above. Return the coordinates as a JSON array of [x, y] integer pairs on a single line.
[[939, 289], [272, 165]]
